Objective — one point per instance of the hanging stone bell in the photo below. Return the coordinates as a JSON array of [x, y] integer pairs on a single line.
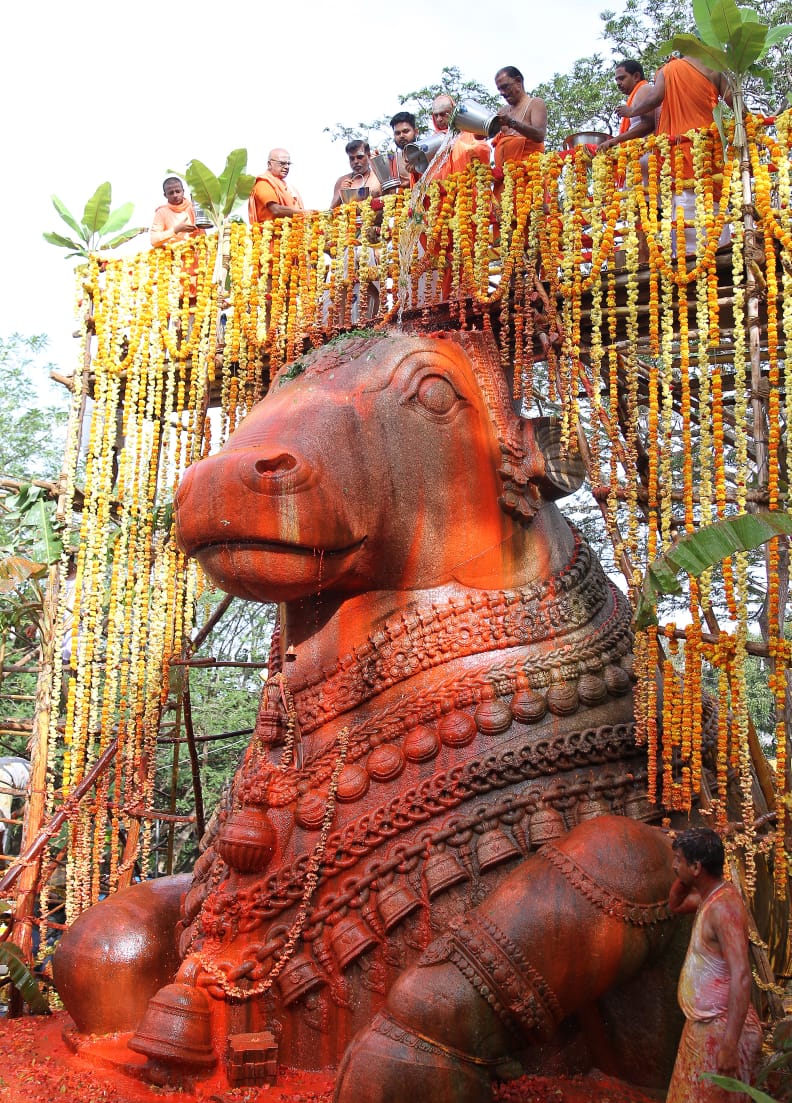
[[441, 871], [589, 808], [176, 1026], [638, 806], [495, 847], [546, 823], [350, 937], [395, 902], [247, 840], [298, 977]]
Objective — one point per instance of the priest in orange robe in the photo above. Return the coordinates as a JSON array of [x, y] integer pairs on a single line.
[[272, 197], [175, 220], [523, 120], [686, 92], [466, 148]]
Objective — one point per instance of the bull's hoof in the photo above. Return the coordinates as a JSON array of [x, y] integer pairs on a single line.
[[388, 1063], [118, 953]]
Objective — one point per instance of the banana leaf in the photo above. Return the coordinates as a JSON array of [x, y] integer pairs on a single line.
[[66, 215], [22, 978], [118, 219], [747, 45], [229, 178], [15, 569], [127, 235], [726, 19], [97, 210], [53, 545], [65, 243], [778, 34], [701, 550], [732, 1085], [694, 47], [205, 188]]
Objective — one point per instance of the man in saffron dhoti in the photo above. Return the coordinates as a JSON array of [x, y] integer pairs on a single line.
[[722, 1033], [175, 220], [687, 92], [272, 197], [523, 119]]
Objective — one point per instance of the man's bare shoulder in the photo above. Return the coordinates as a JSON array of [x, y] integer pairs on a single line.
[[726, 916]]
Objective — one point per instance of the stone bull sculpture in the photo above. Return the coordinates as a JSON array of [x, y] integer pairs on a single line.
[[419, 876]]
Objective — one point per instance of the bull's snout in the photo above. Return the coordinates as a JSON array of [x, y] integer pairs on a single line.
[[274, 472]]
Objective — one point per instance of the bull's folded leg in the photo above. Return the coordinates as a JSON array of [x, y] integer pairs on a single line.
[[579, 918]]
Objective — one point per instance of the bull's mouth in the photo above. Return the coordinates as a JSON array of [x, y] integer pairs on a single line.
[[277, 546]]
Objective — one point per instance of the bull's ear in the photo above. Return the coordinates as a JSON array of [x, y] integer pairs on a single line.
[[554, 473]]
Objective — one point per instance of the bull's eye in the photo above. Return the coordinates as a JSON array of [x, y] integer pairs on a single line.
[[436, 394]]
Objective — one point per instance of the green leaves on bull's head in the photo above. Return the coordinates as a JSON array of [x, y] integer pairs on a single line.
[[731, 39], [98, 221], [219, 195]]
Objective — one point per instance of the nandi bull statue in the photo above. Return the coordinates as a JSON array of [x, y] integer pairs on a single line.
[[435, 866]]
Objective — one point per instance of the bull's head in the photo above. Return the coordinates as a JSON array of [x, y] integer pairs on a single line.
[[385, 462]]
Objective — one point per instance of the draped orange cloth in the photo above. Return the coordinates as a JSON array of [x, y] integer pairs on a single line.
[[167, 218], [465, 149], [687, 105], [627, 123], [513, 147], [270, 189]]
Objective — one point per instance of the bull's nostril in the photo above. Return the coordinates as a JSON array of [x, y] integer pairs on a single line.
[[275, 465]]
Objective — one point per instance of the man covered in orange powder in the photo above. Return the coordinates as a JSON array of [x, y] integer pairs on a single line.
[[523, 120], [175, 220], [630, 80], [465, 149], [722, 1032], [272, 197]]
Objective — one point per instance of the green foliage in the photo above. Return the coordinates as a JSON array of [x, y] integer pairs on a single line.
[[32, 431], [220, 195], [98, 221], [732, 1085], [22, 978], [451, 83], [583, 99], [732, 39]]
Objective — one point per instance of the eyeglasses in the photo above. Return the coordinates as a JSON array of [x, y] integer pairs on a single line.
[[283, 164]]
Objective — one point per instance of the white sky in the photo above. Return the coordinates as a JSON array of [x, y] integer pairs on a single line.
[[96, 91]]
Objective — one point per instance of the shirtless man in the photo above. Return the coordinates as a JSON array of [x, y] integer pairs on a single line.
[[360, 175], [175, 220], [722, 1032], [630, 81], [523, 120], [272, 197]]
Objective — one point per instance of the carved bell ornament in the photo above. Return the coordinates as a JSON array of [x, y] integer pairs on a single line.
[[176, 1026], [495, 847], [441, 871], [547, 823], [350, 937], [395, 902], [298, 977], [588, 808], [247, 840]]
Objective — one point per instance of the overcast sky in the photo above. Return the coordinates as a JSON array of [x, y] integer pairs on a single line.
[[96, 91]]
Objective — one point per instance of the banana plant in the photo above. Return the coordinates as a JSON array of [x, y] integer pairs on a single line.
[[731, 40], [15, 969], [98, 221], [220, 195]]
